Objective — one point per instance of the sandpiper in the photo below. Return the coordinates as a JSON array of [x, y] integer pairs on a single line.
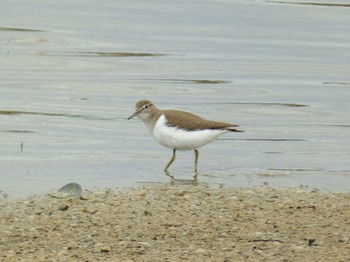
[[180, 130]]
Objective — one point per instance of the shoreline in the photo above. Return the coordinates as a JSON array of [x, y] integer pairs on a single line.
[[178, 223]]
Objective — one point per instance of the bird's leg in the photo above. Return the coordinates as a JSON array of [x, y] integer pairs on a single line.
[[171, 161], [196, 154]]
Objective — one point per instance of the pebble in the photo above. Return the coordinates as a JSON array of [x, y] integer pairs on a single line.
[[142, 194], [105, 249], [180, 193], [297, 248], [63, 207], [259, 234], [144, 244], [200, 251]]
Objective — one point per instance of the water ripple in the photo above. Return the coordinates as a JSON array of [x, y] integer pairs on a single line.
[[311, 3]]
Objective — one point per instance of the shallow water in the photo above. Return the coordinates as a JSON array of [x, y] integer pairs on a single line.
[[71, 74]]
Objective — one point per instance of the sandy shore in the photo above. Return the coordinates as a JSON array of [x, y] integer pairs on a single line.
[[178, 223]]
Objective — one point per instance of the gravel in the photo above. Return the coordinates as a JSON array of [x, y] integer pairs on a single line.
[[178, 223]]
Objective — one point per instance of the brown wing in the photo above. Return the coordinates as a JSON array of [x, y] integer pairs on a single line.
[[191, 122]]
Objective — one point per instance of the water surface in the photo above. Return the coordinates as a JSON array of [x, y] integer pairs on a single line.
[[71, 74]]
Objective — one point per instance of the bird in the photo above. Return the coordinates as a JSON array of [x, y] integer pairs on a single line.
[[180, 130]]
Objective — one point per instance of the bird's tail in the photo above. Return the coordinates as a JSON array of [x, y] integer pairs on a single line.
[[234, 130]]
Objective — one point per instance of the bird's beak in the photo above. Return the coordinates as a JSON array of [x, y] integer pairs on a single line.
[[134, 114]]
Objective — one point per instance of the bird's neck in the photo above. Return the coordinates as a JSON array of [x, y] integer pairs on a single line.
[[151, 121]]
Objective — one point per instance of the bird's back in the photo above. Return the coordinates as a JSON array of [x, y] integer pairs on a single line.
[[191, 122]]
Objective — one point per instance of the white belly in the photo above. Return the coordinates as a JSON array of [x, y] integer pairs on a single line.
[[179, 139]]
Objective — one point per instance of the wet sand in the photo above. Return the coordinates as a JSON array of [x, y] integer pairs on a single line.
[[178, 223]]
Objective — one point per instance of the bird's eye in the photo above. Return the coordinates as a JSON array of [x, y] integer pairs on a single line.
[[145, 106]]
